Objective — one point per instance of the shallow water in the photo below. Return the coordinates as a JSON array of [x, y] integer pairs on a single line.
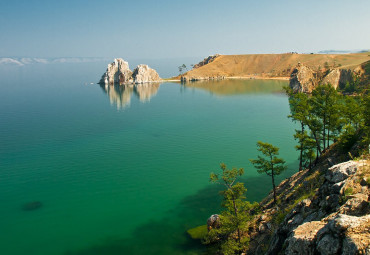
[[125, 170]]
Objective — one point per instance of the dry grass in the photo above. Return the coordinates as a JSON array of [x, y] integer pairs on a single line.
[[274, 65]]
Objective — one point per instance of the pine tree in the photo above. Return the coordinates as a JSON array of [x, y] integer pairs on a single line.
[[269, 164], [234, 217]]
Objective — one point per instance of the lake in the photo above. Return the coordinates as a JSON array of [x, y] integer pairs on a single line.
[[122, 170]]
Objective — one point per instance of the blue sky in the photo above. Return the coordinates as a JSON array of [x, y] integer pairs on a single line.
[[170, 29]]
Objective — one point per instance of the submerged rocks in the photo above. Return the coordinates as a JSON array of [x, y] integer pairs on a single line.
[[118, 72], [31, 206]]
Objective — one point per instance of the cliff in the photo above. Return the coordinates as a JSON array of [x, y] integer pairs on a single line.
[[269, 65], [305, 79]]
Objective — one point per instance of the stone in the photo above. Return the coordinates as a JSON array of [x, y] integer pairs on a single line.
[[338, 78], [356, 206], [145, 74], [213, 221], [356, 231], [328, 245], [341, 171], [363, 182], [302, 79], [333, 200], [302, 238], [337, 187], [118, 72]]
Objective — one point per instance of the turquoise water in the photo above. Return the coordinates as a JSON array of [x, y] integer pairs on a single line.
[[125, 171]]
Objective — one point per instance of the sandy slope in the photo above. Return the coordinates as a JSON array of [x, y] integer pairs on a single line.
[[274, 65]]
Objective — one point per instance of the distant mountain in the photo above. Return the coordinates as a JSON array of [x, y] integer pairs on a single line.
[[28, 61], [341, 51]]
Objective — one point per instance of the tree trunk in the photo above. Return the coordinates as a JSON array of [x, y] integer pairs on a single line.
[[273, 186], [236, 215], [324, 131], [301, 155]]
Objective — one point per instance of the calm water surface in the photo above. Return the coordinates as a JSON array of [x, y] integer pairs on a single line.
[[124, 170]]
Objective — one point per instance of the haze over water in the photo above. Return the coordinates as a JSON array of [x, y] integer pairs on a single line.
[[125, 171]]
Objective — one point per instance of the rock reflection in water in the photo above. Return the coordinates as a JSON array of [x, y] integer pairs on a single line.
[[120, 95]]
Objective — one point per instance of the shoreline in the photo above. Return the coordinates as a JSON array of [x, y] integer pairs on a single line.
[[250, 77]]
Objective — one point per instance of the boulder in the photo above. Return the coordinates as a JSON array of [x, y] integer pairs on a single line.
[[356, 206], [213, 221], [341, 171], [343, 232], [302, 239], [145, 74], [302, 79], [118, 72]]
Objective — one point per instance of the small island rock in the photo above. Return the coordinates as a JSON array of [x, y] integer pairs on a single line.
[[118, 72]]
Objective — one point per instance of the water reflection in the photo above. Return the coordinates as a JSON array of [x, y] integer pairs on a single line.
[[239, 86], [120, 95]]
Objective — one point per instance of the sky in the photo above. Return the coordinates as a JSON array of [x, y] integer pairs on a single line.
[[172, 29]]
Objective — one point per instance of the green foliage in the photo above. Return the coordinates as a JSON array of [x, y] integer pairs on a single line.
[[182, 68], [325, 108], [306, 145], [269, 163], [327, 117], [199, 232], [348, 191], [234, 218]]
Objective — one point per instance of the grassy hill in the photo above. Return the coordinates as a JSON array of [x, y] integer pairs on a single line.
[[274, 65]]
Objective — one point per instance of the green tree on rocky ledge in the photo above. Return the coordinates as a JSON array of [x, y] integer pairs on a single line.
[[269, 164], [234, 217]]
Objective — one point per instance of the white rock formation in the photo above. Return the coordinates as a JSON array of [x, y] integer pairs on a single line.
[[145, 74], [118, 72]]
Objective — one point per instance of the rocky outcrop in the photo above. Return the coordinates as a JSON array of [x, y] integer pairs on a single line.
[[335, 221], [304, 79], [144, 74], [337, 78], [206, 61], [118, 72]]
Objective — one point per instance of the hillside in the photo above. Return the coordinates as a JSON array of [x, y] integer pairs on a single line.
[[272, 65]]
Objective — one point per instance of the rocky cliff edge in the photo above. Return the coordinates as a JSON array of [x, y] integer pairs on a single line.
[[322, 211]]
